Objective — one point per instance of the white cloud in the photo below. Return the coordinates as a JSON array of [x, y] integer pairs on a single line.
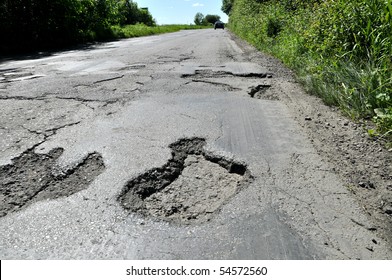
[[197, 5]]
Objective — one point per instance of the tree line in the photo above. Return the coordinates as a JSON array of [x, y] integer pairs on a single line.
[[200, 19], [31, 24]]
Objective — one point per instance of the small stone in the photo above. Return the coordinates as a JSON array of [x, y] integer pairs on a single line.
[[362, 184], [367, 185], [308, 118]]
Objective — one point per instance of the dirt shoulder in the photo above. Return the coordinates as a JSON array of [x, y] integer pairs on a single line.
[[363, 163]]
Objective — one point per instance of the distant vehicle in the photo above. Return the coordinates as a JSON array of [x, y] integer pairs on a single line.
[[219, 24]]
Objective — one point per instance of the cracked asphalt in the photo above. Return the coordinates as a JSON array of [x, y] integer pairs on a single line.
[[114, 110]]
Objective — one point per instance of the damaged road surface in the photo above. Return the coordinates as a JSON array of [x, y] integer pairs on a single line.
[[189, 188], [180, 146]]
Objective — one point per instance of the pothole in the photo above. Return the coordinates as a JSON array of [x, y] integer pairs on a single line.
[[263, 92], [208, 73], [30, 178], [189, 188]]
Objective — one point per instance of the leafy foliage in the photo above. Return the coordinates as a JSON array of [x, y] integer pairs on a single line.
[[131, 14], [227, 5], [199, 19], [341, 49], [31, 24], [211, 19]]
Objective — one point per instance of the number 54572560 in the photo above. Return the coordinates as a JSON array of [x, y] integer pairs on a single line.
[[243, 270]]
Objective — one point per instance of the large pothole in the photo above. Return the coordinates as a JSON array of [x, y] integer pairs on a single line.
[[189, 188], [30, 178]]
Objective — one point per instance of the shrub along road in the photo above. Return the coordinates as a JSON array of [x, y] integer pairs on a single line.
[[190, 145]]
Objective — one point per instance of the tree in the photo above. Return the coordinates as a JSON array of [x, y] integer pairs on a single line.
[[199, 19], [132, 14], [146, 18], [211, 19], [227, 5], [27, 24], [36, 24]]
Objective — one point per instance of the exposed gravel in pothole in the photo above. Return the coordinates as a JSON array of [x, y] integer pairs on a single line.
[[263, 92], [190, 188], [30, 178]]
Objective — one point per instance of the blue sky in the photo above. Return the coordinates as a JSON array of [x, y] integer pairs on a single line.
[[181, 11]]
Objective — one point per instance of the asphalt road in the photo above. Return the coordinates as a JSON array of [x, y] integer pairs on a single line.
[[153, 148]]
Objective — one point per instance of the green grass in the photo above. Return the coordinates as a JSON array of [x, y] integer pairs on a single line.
[[340, 49], [138, 30]]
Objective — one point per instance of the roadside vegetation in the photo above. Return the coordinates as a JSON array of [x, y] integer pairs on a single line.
[[30, 25], [340, 49], [140, 29]]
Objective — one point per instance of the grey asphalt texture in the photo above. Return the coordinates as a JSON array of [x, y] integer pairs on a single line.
[[126, 103]]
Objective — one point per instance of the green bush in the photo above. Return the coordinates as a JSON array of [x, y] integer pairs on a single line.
[[28, 25], [340, 49]]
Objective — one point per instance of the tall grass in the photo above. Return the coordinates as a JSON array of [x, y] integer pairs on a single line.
[[138, 30], [340, 49]]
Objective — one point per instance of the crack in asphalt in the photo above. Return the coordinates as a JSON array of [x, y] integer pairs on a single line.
[[108, 80], [48, 96], [84, 100], [21, 98], [99, 82], [226, 86], [52, 131]]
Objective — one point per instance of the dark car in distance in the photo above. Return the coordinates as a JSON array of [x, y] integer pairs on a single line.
[[219, 24]]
